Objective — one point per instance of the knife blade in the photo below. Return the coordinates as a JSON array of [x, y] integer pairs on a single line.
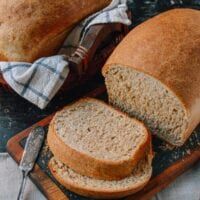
[[30, 154]]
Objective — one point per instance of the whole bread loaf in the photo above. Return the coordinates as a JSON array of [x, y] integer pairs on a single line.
[[35, 28], [98, 141], [154, 74]]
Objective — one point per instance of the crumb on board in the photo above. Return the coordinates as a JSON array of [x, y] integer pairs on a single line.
[[166, 146]]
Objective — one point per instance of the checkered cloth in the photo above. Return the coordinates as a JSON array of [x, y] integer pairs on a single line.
[[38, 82]]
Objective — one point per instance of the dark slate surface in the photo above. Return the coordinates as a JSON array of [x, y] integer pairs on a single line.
[[17, 114]]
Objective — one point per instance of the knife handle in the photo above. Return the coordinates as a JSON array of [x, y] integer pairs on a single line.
[[22, 187]]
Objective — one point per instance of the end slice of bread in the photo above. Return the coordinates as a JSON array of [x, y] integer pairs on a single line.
[[98, 141], [102, 189]]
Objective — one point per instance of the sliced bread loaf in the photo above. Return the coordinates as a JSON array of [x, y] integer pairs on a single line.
[[98, 141], [101, 189], [154, 74]]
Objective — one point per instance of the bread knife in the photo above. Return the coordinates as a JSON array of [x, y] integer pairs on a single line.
[[30, 154]]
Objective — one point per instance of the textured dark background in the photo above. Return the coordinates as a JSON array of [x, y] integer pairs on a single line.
[[17, 114]]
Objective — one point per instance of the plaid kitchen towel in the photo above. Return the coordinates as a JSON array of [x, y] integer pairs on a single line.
[[38, 82]]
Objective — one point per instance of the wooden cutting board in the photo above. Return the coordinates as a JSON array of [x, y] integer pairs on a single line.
[[168, 163]]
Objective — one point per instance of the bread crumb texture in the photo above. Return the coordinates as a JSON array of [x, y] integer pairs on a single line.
[[98, 130]]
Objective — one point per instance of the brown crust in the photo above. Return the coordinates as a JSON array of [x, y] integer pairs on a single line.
[[95, 193], [90, 166], [167, 47], [28, 29]]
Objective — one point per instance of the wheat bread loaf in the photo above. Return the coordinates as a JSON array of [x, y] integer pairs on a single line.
[[154, 74], [102, 189], [96, 140], [36, 28]]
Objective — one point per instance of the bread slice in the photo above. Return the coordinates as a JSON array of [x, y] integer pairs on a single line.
[[101, 189], [154, 74], [98, 141]]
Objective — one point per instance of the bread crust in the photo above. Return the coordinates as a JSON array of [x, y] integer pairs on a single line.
[[95, 193], [167, 47], [90, 166], [32, 29]]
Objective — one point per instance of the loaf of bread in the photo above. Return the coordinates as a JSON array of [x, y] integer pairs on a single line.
[[154, 74], [101, 189], [98, 141], [36, 28]]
